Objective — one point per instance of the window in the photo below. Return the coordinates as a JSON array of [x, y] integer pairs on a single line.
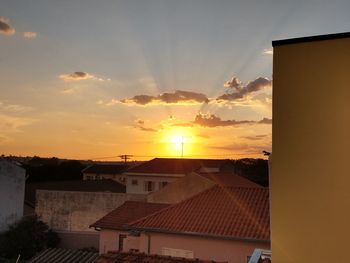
[[162, 184], [134, 182], [149, 186], [121, 242]]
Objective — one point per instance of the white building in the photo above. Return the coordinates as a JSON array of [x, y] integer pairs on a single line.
[[12, 184], [155, 174]]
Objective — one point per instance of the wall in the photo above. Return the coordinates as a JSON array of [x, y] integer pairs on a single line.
[[12, 183], [310, 171], [75, 211], [78, 239], [109, 241], [182, 189], [202, 248], [139, 188]]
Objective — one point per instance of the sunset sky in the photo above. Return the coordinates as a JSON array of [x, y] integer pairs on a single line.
[[94, 79]]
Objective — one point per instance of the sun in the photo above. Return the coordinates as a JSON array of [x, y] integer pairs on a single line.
[[179, 142]]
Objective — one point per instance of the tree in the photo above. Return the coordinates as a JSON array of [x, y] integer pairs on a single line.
[[27, 237]]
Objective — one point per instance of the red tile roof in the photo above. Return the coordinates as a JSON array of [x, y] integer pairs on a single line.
[[229, 179], [222, 212], [129, 211], [128, 257], [175, 166]]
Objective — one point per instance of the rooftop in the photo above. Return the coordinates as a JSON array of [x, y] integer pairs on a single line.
[[128, 257], [129, 211], [220, 212], [229, 179], [59, 255], [310, 39], [175, 165]]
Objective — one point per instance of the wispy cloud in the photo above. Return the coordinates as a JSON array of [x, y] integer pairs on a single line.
[[241, 90], [177, 97], [30, 34], [14, 108], [140, 124], [268, 51], [5, 27], [80, 75]]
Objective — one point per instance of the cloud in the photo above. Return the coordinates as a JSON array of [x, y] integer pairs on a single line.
[[30, 34], [76, 76], [10, 124], [140, 124], [177, 97], [256, 137], [268, 51], [241, 91], [210, 120], [14, 108], [5, 27], [233, 83]]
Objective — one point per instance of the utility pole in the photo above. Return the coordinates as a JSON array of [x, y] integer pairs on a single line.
[[125, 157]]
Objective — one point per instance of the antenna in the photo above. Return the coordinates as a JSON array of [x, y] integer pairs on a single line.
[[125, 157]]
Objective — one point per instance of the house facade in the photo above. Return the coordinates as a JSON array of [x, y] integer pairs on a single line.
[[155, 174], [12, 185]]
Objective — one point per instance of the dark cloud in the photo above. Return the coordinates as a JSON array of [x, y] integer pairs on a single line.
[[256, 137], [178, 97], [214, 121], [75, 76], [241, 90], [140, 125], [5, 27], [266, 121]]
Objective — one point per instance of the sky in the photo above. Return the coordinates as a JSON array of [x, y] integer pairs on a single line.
[[97, 79]]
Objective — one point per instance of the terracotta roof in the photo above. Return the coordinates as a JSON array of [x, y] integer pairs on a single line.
[[105, 185], [229, 179], [129, 211], [128, 257], [59, 255], [175, 166], [222, 212], [106, 169]]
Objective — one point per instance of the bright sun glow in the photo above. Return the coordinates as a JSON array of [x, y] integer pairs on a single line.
[[179, 142]]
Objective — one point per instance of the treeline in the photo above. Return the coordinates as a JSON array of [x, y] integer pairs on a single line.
[[256, 170], [53, 169]]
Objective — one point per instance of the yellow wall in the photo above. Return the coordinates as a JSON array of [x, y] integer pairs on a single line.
[[311, 152]]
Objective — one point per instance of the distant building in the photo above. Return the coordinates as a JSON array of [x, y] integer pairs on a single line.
[[222, 224], [113, 233], [105, 171], [194, 183], [157, 173], [12, 184]]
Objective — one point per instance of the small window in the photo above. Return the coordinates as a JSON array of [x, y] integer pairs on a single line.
[[162, 184], [149, 186], [134, 182]]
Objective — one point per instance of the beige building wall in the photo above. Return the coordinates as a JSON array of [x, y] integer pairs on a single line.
[[184, 188], [311, 150], [231, 251], [109, 241], [76, 211]]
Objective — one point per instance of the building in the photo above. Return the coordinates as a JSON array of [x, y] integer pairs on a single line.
[[155, 174], [105, 171], [112, 231], [69, 207], [194, 183], [310, 172], [221, 223], [12, 185], [128, 257]]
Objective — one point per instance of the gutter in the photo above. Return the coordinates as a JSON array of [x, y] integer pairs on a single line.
[[158, 230]]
